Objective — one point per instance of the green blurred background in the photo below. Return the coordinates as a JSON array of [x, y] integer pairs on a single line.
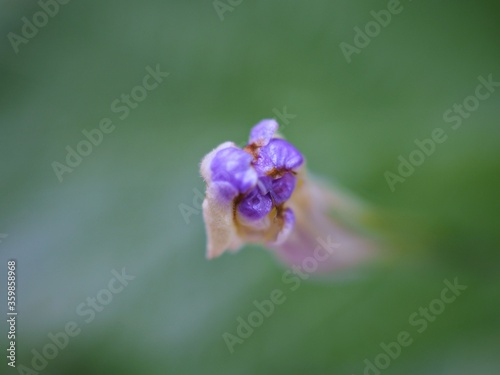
[[120, 206]]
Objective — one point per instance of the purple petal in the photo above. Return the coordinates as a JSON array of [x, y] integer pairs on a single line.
[[206, 162], [265, 184], [282, 188], [233, 166], [224, 190], [279, 155], [262, 133], [255, 205]]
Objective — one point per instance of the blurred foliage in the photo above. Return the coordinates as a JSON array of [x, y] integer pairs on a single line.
[[120, 206]]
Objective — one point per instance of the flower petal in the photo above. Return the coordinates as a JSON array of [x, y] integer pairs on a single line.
[[282, 188], [233, 166], [278, 155], [205, 170], [255, 205], [224, 191], [262, 133]]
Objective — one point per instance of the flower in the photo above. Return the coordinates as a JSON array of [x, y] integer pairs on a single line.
[[262, 194]]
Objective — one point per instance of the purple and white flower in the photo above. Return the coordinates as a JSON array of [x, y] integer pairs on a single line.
[[262, 194]]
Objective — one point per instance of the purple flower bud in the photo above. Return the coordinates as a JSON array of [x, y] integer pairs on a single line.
[[278, 156], [262, 133], [282, 188], [224, 190], [232, 169], [260, 194], [255, 205]]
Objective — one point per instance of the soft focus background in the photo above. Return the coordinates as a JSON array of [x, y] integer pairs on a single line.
[[120, 206]]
